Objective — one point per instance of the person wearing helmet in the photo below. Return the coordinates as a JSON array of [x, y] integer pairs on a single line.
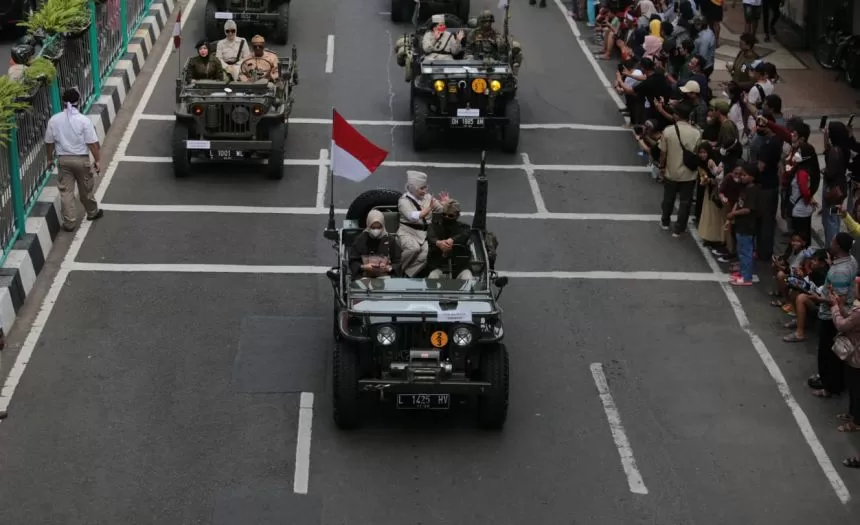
[[232, 50], [22, 56], [263, 64], [484, 41], [438, 43], [204, 66]]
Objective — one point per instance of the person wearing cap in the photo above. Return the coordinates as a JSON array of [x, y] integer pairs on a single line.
[[415, 207], [203, 66], [839, 280], [447, 239], [699, 113], [232, 50], [263, 64], [438, 43], [762, 86], [739, 68], [72, 136]]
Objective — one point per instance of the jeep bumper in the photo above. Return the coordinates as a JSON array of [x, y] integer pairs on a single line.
[[455, 122], [226, 144], [247, 18], [405, 386]]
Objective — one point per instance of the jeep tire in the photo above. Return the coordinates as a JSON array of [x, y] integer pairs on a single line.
[[511, 130], [493, 403], [278, 136], [282, 25], [212, 29], [181, 155], [422, 133], [346, 397], [361, 205]]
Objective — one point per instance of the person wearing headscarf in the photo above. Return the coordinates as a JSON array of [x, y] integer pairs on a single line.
[[655, 28], [651, 47], [204, 66], [447, 240], [232, 50], [263, 64], [415, 207], [374, 253], [646, 11]]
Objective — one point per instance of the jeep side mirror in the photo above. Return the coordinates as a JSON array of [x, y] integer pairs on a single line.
[[501, 282], [333, 274]]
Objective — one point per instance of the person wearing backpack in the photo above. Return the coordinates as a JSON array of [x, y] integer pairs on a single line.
[[805, 175], [762, 86]]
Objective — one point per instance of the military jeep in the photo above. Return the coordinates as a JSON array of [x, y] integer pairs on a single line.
[[227, 121], [457, 94], [403, 10], [272, 14], [417, 342]]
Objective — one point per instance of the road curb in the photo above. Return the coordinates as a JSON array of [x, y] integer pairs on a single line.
[[27, 257]]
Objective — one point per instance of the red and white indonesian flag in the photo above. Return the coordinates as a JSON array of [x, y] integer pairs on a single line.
[[177, 30], [353, 157]]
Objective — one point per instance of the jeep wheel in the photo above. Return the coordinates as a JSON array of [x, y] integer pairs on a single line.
[[463, 11], [181, 155], [213, 31], [493, 404], [346, 398], [511, 130], [278, 136], [368, 200], [422, 134], [282, 25], [401, 10]]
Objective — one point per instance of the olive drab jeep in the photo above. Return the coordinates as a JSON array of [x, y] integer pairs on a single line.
[[223, 120], [404, 10], [274, 15]]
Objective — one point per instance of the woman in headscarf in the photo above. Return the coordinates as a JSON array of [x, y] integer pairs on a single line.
[[415, 207], [232, 50], [655, 28], [651, 47], [204, 66], [374, 252], [646, 11]]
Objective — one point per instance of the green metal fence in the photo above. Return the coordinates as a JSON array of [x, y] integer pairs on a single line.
[[83, 61]]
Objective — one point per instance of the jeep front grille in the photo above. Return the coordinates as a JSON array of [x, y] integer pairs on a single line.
[[417, 335], [459, 97], [227, 119]]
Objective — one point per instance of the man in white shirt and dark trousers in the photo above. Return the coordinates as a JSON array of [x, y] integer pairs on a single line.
[[72, 135]]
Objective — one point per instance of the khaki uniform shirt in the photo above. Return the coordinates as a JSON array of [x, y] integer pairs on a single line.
[[228, 53], [442, 48], [675, 169], [266, 66]]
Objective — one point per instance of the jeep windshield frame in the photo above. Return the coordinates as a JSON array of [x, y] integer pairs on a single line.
[[465, 68]]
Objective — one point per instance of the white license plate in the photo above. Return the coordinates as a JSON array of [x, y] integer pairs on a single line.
[[227, 154], [463, 122], [423, 401]]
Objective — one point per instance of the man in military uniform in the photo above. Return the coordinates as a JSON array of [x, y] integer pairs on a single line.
[[438, 43], [485, 41], [204, 66], [262, 64]]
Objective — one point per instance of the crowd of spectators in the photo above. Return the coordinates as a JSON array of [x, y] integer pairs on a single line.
[[735, 164]]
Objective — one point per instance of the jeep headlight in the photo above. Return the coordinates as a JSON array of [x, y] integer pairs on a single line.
[[479, 85], [462, 336], [495, 85], [386, 335], [439, 85]]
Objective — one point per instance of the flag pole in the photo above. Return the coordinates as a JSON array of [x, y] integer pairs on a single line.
[[331, 225]]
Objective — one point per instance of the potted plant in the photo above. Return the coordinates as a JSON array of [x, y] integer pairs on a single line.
[[40, 72], [12, 95], [60, 17]]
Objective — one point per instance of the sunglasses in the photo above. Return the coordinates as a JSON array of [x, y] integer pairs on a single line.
[[228, 31]]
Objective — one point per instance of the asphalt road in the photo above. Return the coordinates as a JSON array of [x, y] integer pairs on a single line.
[[170, 394]]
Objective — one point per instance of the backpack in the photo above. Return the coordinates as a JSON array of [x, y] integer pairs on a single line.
[[761, 96]]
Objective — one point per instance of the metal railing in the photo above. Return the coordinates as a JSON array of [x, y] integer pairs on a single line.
[[83, 61]]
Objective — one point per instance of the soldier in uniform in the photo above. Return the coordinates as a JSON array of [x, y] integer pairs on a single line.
[[486, 42], [262, 64], [438, 43], [204, 66], [232, 50]]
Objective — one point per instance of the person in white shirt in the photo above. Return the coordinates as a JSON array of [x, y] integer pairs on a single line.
[[762, 88], [73, 137], [752, 14], [232, 50]]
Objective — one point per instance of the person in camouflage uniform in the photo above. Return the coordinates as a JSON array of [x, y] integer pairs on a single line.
[[485, 42]]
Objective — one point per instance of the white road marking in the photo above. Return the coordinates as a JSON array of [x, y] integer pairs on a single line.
[[322, 178], [761, 349], [597, 168], [406, 123], [47, 306], [303, 444], [323, 210], [704, 277], [533, 183], [628, 461], [329, 54]]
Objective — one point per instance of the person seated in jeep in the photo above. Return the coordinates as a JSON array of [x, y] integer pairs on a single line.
[[438, 43], [204, 66], [232, 50], [415, 206], [485, 41], [374, 252], [263, 64], [447, 241]]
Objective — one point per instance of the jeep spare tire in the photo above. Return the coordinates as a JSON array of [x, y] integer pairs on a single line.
[[368, 200]]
